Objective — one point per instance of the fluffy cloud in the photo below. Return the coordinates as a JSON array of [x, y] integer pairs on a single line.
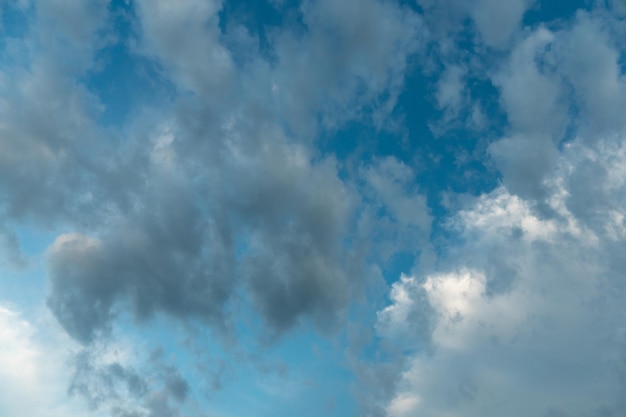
[[522, 316], [194, 58], [221, 198], [212, 202], [547, 88], [224, 203], [495, 21], [528, 321], [32, 377]]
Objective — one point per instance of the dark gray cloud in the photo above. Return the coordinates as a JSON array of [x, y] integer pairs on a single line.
[[218, 197], [167, 259]]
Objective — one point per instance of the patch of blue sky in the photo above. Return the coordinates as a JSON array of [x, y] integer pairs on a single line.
[[23, 288], [450, 162], [260, 18], [300, 374], [14, 19], [125, 81], [313, 380], [14, 25], [556, 10], [26, 286]]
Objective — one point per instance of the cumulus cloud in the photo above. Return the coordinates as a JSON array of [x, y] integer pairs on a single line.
[[211, 202], [44, 373], [225, 203], [596, 76], [522, 316], [185, 38], [181, 236], [354, 54], [529, 322], [547, 88], [32, 377]]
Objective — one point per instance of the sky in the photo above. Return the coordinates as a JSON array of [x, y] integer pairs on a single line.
[[368, 208]]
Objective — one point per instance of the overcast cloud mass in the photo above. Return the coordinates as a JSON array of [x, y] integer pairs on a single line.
[[373, 208]]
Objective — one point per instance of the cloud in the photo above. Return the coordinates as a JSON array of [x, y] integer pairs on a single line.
[[547, 341], [267, 216], [522, 316], [530, 91], [32, 377], [396, 212], [149, 262], [185, 38], [596, 77], [123, 380], [352, 57], [450, 88], [224, 204], [524, 161], [547, 88], [495, 21]]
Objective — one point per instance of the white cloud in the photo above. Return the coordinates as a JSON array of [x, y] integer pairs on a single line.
[[530, 92], [550, 341], [185, 37], [498, 20], [230, 202], [406, 320], [596, 75], [450, 88], [548, 85], [32, 371]]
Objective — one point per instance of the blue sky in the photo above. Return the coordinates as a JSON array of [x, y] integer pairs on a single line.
[[377, 208]]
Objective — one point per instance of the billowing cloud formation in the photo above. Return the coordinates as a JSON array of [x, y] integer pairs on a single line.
[[434, 188], [220, 198], [526, 317], [533, 328]]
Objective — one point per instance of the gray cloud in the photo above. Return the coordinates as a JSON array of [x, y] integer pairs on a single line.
[[215, 203], [596, 77], [495, 21], [218, 196], [154, 261], [111, 379], [547, 89], [99, 384]]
